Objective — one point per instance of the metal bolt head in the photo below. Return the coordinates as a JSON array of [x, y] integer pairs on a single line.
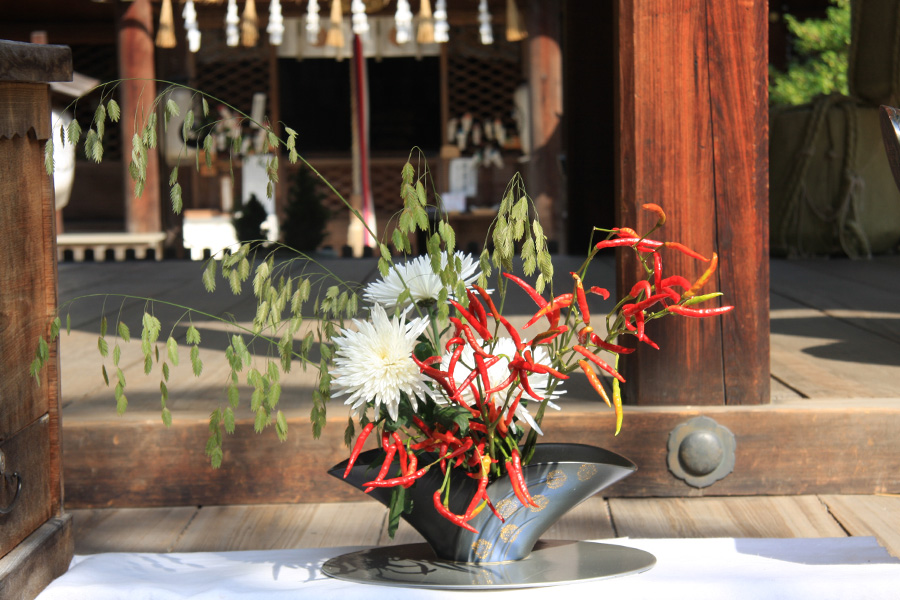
[[701, 452]]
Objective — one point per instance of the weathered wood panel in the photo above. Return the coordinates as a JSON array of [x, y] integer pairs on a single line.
[[692, 131], [869, 515], [130, 529], [28, 454], [784, 516], [854, 449], [41, 558], [30, 62]]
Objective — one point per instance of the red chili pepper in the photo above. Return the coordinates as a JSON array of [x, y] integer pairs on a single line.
[[413, 463], [630, 309], [476, 308], [701, 281], [655, 208], [626, 232], [421, 425], [522, 364], [538, 299], [699, 312], [493, 509], [517, 478], [473, 342], [461, 450], [675, 280], [357, 447], [549, 335], [447, 437], [582, 299], [602, 292], [512, 409], [598, 341], [640, 286], [473, 504], [401, 451], [502, 386], [481, 329], [685, 250], [594, 380], [405, 480], [445, 512], [657, 271], [384, 467], [643, 244], [526, 385], [513, 333], [598, 361], [561, 301]]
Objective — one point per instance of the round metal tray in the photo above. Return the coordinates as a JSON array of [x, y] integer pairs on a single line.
[[551, 563]]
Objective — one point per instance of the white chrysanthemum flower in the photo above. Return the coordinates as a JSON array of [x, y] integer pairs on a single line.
[[374, 363], [499, 372], [424, 284]]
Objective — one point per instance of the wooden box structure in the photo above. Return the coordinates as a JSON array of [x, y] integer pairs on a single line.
[[35, 534]]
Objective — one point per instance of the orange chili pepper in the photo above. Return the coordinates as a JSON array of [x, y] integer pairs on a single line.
[[594, 380], [598, 361], [582, 299], [703, 278], [656, 208]]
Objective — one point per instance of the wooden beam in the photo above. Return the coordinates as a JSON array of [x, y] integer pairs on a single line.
[[692, 114], [39, 559], [806, 447], [137, 93]]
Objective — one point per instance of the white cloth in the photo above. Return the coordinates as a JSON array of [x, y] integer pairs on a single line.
[[694, 569]]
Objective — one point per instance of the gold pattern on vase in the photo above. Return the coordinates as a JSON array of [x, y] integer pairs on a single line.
[[509, 533], [541, 500], [586, 471], [556, 479], [481, 548], [507, 507]]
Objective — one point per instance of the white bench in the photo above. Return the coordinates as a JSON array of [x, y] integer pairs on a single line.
[[119, 242]]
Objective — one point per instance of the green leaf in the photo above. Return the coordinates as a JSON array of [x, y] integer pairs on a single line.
[[103, 326], [117, 355], [105, 375], [172, 109], [205, 105], [100, 114], [188, 123], [192, 336], [229, 420], [420, 193], [124, 333], [102, 346], [172, 349], [74, 132], [121, 404], [196, 363], [163, 391], [262, 419], [148, 364], [384, 266], [175, 197], [234, 396], [48, 157], [54, 328], [167, 417], [165, 371], [209, 276], [112, 108], [281, 426], [207, 149], [68, 323]]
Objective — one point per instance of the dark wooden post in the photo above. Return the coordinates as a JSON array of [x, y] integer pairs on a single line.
[[693, 135], [137, 68], [544, 64], [35, 535]]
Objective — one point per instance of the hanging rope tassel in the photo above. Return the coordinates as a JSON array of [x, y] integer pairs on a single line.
[[313, 29], [425, 33], [515, 24], [232, 33], [275, 28], [190, 26], [441, 27], [358, 18], [249, 25], [165, 37], [403, 22], [484, 18], [335, 37]]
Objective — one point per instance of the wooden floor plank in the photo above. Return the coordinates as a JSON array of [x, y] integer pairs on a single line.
[[869, 515], [246, 527], [129, 529], [589, 520], [344, 524], [751, 516]]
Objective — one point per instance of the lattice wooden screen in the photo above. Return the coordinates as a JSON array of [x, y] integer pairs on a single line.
[[385, 174], [482, 78], [232, 74], [101, 62]]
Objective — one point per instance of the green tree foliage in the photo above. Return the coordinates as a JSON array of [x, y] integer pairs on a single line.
[[248, 221], [819, 65], [304, 228]]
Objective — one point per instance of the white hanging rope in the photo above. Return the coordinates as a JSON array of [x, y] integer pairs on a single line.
[[441, 27], [485, 29], [232, 20], [312, 22], [403, 19], [190, 26], [359, 19], [275, 28]]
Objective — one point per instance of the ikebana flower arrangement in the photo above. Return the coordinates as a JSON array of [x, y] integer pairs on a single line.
[[433, 371]]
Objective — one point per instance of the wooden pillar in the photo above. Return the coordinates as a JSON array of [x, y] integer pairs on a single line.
[[35, 535], [692, 137], [544, 63], [137, 92]]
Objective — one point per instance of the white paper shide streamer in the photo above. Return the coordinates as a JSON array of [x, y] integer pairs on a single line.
[[484, 18], [275, 28], [190, 26], [232, 20], [312, 22], [441, 27], [403, 19], [359, 19]]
